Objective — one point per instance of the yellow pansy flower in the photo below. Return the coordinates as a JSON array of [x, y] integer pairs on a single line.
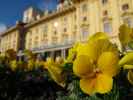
[[31, 58], [30, 65], [96, 64], [39, 63], [56, 72], [127, 63], [72, 53], [29, 54], [13, 65], [97, 36], [125, 35], [59, 61]]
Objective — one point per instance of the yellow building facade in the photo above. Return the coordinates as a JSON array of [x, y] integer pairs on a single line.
[[55, 33], [9, 40], [12, 38]]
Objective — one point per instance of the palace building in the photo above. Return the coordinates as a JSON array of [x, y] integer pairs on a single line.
[[53, 33]]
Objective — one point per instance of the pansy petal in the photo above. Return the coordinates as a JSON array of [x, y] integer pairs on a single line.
[[125, 34], [89, 49], [82, 49], [127, 59], [82, 66], [49, 62], [98, 35], [72, 52], [88, 85], [104, 46], [104, 83], [13, 65], [71, 55], [130, 76], [94, 49], [108, 63], [100, 46], [57, 75], [128, 67]]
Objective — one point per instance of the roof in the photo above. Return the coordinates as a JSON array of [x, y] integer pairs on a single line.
[[35, 9], [13, 28], [50, 16], [9, 30], [44, 18]]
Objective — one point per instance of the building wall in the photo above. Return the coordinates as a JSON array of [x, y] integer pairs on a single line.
[[89, 17], [9, 41], [103, 15], [56, 31]]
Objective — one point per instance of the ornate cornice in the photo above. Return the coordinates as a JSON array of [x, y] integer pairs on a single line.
[[51, 16]]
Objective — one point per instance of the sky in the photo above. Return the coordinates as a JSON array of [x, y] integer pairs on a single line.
[[12, 10]]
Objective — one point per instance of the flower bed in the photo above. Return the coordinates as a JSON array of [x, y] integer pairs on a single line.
[[95, 70]]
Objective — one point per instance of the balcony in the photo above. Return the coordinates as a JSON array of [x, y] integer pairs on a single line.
[[53, 47]]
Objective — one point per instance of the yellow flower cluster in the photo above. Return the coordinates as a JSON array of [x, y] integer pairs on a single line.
[[97, 61], [126, 37], [96, 64], [56, 71], [127, 63]]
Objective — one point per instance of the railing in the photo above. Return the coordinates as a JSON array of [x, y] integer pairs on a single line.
[[52, 46], [57, 46]]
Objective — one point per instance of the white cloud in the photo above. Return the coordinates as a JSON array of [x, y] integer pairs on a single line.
[[2, 27]]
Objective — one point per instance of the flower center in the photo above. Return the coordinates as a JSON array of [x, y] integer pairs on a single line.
[[96, 70]]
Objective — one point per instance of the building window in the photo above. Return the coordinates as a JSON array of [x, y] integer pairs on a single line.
[[45, 28], [36, 38], [75, 27], [54, 40], [29, 45], [107, 27], [74, 37], [125, 7], [104, 1], [36, 43], [44, 35], [37, 31], [84, 8], [55, 32], [75, 17], [105, 13], [65, 20], [85, 33], [15, 34], [65, 29], [129, 22], [65, 38], [84, 18]]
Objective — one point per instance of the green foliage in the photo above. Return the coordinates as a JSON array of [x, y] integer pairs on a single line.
[[39, 85]]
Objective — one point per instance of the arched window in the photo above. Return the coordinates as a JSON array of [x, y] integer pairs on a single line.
[[84, 33], [104, 1], [84, 7], [125, 7], [107, 26], [128, 21]]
